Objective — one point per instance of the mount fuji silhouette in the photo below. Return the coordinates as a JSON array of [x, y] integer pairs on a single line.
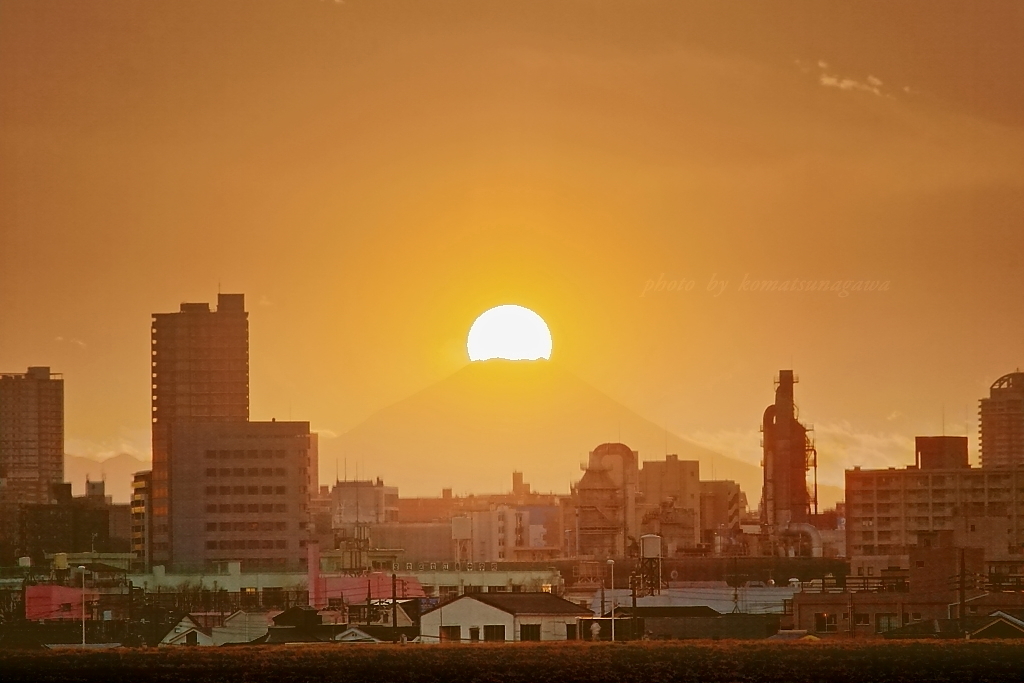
[[470, 430]]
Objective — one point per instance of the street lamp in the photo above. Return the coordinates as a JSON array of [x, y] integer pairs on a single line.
[[81, 568], [611, 563]]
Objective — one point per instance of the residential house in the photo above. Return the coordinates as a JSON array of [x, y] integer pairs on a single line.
[[502, 617]]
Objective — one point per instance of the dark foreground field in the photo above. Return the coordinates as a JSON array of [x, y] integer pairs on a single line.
[[533, 663]]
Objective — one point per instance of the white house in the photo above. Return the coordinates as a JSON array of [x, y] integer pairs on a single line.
[[474, 617]]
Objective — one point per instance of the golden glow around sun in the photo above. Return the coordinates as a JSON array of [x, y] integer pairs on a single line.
[[510, 332]]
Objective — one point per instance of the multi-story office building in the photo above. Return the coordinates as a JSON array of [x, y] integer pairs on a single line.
[[200, 373], [363, 501], [31, 444], [669, 502], [240, 491], [89, 523], [889, 511], [1001, 419]]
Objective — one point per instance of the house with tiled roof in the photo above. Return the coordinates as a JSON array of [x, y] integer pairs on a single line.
[[502, 616]]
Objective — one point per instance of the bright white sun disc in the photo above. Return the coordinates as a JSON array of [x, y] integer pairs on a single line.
[[510, 332]]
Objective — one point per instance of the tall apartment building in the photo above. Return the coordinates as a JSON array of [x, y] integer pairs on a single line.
[[31, 444], [200, 373], [1001, 420], [222, 488], [890, 511]]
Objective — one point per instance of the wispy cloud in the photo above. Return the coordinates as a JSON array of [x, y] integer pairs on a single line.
[[70, 340], [850, 84], [830, 79]]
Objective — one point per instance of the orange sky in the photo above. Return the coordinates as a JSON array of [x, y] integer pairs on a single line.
[[373, 175]]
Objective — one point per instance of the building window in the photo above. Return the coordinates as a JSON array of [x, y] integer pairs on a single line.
[[528, 632], [451, 634], [279, 490], [211, 526], [824, 623], [211, 490], [267, 490], [886, 621], [862, 619], [211, 508]]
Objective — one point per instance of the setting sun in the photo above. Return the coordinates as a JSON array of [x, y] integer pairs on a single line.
[[510, 332]]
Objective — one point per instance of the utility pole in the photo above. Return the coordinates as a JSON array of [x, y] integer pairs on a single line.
[[82, 569], [394, 601], [611, 563], [963, 588], [632, 582]]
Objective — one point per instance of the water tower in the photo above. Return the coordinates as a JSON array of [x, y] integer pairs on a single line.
[[648, 578]]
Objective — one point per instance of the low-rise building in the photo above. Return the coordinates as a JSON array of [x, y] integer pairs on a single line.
[[502, 617]]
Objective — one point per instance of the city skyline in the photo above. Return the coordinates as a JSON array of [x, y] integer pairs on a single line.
[[375, 183], [830, 493]]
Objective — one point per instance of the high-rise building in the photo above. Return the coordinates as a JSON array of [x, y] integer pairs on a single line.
[[31, 444], [1002, 422], [200, 374]]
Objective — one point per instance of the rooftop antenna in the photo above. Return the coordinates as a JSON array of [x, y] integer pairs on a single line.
[[346, 468]]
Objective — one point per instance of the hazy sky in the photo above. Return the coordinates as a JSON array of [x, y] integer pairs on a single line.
[[373, 175]]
